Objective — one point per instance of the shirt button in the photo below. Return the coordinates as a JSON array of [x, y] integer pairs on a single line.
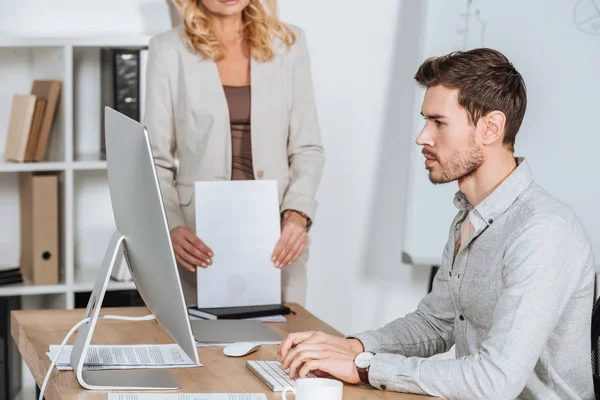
[[383, 387], [461, 318], [450, 273], [490, 221]]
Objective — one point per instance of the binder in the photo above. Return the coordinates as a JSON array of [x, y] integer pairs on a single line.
[[34, 132], [39, 228], [21, 118], [143, 78], [50, 91], [120, 85]]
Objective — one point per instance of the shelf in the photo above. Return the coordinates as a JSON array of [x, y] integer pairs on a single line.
[[86, 277], [89, 162], [23, 289], [32, 166], [125, 40]]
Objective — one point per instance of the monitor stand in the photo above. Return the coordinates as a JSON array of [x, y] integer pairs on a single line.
[[153, 379]]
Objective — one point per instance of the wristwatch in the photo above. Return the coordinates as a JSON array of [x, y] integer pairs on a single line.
[[363, 363]]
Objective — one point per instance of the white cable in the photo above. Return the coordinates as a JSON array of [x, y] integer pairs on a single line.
[[149, 317]]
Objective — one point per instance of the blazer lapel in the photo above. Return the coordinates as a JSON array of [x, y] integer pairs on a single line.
[[205, 81], [263, 78]]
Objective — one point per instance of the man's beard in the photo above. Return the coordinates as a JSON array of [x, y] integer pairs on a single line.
[[461, 165]]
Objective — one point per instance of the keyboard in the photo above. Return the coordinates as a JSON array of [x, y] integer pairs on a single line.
[[272, 375]]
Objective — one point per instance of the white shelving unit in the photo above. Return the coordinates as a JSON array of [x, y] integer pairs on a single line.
[[74, 153]]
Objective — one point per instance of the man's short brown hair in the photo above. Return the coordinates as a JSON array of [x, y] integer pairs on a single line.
[[486, 81]]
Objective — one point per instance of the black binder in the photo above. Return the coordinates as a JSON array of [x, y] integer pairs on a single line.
[[239, 312], [120, 84]]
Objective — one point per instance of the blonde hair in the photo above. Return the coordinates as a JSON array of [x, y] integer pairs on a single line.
[[260, 27]]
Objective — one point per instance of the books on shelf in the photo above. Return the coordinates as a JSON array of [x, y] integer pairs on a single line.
[[10, 275], [50, 92], [19, 125], [30, 122], [36, 126]]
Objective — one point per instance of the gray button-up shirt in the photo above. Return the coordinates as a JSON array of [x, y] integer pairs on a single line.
[[516, 301]]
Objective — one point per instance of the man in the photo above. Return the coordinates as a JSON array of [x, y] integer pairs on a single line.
[[514, 292]]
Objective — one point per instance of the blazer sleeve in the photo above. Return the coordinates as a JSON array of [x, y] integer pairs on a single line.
[[159, 120], [305, 151]]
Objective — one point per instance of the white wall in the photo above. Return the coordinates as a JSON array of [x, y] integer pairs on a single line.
[[363, 59], [74, 17], [551, 43]]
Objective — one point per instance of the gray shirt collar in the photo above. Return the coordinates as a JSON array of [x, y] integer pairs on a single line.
[[505, 194]]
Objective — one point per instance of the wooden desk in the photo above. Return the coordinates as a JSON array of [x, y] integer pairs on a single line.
[[34, 331]]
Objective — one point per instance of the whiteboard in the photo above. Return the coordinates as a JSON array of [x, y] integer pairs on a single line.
[[555, 45]]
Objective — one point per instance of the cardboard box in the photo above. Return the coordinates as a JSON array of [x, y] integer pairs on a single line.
[[39, 228]]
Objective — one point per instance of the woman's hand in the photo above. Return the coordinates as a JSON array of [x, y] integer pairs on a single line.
[[293, 239], [190, 251]]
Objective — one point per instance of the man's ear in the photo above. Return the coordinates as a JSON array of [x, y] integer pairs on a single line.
[[493, 127]]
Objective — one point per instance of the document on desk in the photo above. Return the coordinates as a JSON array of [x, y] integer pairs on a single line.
[[125, 357], [223, 344], [270, 318], [187, 396], [241, 223]]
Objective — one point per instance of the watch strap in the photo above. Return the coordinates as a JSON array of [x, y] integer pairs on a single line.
[[363, 374]]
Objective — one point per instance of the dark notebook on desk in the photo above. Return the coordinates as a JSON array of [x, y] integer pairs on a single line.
[[244, 312]]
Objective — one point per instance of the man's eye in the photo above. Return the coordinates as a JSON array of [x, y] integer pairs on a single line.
[[439, 123]]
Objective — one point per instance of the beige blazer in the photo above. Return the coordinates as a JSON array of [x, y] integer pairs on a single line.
[[188, 120]]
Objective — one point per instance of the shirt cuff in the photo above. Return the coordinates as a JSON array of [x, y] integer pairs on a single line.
[[395, 372], [368, 340], [300, 203], [174, 219], [382, 371]]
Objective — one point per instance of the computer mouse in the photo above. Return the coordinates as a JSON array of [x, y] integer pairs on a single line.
[[240, 349]]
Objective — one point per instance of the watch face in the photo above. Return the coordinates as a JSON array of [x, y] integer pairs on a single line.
[[363, 360]]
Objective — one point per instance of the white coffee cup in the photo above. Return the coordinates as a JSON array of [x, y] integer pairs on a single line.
[[316, 388]]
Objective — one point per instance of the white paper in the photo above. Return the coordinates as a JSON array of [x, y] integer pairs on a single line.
[[223, 344], [272, 318], [187, 396], [125, 357], [240, 222]]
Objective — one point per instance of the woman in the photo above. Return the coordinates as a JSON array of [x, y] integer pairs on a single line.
[[229, 95]]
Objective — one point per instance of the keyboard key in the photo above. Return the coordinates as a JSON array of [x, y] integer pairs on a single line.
[[272, 375]]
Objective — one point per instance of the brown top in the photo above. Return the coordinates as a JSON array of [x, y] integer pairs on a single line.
[[238, 100]]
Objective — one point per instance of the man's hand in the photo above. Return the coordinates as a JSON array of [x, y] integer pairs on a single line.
[[320, 352], [292, 241], [190, 251]]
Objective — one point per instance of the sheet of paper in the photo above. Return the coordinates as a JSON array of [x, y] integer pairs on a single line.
[[187, 396], [240, 222], [272, 318], [125, 357], [223, 344]]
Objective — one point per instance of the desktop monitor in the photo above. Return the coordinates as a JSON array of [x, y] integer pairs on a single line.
[[143, 236]]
